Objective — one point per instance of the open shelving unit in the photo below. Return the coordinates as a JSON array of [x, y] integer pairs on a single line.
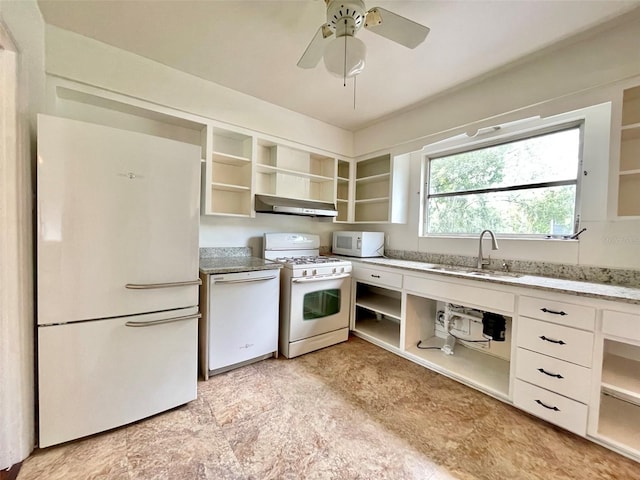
[[285, 171], [372, 190], [619, 419], [228, 178], [629, 172], [378, 314]]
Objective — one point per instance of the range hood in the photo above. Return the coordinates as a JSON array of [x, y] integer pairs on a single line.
[[294, 206]]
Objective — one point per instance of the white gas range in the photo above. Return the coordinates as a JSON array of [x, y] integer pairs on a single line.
[[315, 293]]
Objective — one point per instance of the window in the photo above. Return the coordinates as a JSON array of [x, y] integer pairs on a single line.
[[520, 185]]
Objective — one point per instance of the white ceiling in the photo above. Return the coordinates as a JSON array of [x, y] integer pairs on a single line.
[[253, 46]]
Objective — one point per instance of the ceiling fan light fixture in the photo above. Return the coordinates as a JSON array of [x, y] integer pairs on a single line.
[[334, 56]]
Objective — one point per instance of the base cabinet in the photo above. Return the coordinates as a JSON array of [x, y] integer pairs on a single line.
[[619, 394], [545, 358]]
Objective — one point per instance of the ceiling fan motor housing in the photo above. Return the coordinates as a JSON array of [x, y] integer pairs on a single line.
[[345, 17]]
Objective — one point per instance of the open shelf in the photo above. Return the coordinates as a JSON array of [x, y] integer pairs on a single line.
[[374, 178], [229, 187], [629, 169], [228, 159], [387, 306], [270, 169], [379, 327], [621, 378], [619, 423], [472, 366]]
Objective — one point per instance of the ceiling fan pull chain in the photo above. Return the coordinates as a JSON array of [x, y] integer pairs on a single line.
[[344, 70], [355, 79]]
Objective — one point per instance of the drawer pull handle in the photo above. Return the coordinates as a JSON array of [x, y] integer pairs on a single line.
[[375, 276], [555, 375], [554, 312], [559, 342], [555, 409]]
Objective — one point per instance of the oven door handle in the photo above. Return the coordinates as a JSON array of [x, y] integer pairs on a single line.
[[320, 279]]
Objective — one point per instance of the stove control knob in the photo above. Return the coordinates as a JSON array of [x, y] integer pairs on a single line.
[[341, 269], [304, 273], [335, 270], [315, 272]]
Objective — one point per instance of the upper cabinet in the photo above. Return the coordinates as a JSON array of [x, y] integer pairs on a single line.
[[629, 173], [287, 172], [228, 177], [381, 190]]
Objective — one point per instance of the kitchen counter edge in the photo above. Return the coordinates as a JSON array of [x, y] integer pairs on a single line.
[[219, 265], [600, 291]]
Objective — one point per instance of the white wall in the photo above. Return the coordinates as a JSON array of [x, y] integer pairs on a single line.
[[25, 26], [81, 59], [577, 74], [588, 72]]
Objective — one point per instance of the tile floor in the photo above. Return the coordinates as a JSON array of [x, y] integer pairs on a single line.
[[351, 411]]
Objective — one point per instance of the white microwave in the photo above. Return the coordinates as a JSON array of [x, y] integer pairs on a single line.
[[358, 244]]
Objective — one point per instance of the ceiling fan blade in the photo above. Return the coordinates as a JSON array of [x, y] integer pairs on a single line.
[[396, 28], [312, 55]]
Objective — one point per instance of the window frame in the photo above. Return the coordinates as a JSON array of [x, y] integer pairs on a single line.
[[499, 135]]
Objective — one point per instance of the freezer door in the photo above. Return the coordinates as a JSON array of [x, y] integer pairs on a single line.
[[98, 375], [115, 209]]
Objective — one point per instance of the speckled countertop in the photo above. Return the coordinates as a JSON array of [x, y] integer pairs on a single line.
[[572, 287], [217, 265]]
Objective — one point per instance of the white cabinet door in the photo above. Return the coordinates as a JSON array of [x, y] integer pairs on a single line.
[[97, 375], [114, 208]]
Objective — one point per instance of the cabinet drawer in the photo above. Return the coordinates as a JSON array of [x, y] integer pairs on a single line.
[[464, 294], [553, 408], [562, 377], [557, 341], [577, 316], [625, 325], [377, 277]]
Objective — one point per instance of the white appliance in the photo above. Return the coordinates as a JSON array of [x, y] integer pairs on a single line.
[[358, 244], [243, 317], [315, 293], [117, 276]]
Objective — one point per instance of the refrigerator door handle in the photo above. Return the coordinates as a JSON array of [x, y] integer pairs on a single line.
[[147, 286], [245, 280], [162, 321]]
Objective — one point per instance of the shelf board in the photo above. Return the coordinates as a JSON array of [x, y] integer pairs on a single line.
[[313, 199], [227, 159], [619, 423], [271, 170], [621, 378], [343, 200], [474, 367], [373, 200], [382, 304], [342, 179], [630, 172], [384, 330], [229, 187], [228, 214], [373, 178]]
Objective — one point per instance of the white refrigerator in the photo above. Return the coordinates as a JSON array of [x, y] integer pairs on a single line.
[[117, 276]]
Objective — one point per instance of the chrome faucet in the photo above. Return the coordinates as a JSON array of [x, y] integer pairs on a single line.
[[494, 246]]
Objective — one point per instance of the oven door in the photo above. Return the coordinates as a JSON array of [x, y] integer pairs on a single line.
[[318, 305]]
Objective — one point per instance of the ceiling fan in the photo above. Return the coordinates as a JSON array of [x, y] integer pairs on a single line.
[[343, 53]]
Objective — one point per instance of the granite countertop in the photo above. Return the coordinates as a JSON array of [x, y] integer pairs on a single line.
[[572, 287], [217, 265]]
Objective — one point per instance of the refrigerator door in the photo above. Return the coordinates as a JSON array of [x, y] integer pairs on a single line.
[[118, 214], [98, 375]]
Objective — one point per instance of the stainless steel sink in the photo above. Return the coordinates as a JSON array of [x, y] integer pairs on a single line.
[[474, 272]]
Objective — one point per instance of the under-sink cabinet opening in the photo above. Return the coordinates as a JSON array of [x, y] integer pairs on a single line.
[[471, 344]]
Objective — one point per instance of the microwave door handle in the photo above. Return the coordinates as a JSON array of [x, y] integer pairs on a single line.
[[320, 279]]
